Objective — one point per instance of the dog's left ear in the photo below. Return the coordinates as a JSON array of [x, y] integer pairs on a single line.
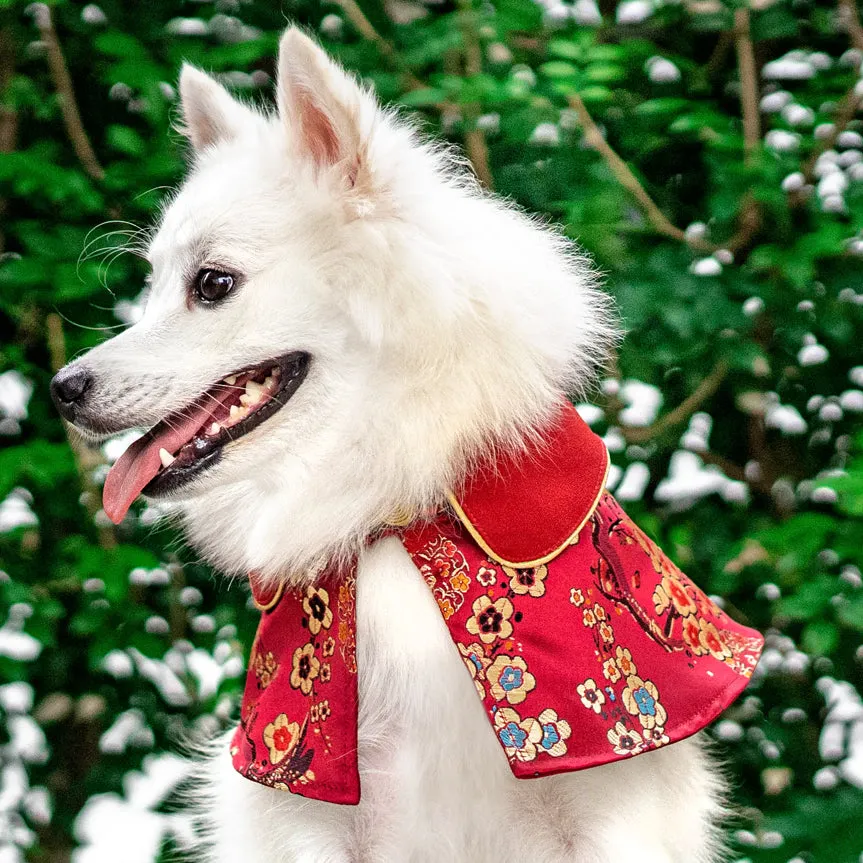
[[321, 106], [211, 115]]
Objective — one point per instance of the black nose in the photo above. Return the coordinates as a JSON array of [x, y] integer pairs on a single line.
[[69, 387]]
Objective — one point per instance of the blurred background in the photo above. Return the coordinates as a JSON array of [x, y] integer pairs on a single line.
[[708, 154]]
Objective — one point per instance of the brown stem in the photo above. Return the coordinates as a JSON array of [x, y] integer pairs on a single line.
[[844, 115], [367, 30], [8, 115], [87, 458], [474, 138], [748, 83], [594, 137], [66, 94], [851, 19], [705, 390]]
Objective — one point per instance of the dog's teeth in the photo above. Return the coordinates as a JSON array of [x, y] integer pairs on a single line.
[[165, 457], [253, 393], [215, 428], [231, 380], [235, 411], [269, 383]]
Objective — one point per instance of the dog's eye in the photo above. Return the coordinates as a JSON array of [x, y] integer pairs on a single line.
[[212, 285]]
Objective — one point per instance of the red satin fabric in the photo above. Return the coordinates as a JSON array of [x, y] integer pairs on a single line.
[[604, 652]]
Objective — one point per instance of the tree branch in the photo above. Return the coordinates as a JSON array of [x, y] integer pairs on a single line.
[[366, 29], [748, 83], [705, 390], [475, 144], [594, 137], [86, 457], [850, 102], [66, 94], [8, 115], [474, 138], [851, 19]]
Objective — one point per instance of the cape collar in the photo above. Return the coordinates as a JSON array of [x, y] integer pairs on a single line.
[[523, 510], [585, 643]]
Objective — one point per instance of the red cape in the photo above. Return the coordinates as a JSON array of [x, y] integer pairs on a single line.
[[585, 643]]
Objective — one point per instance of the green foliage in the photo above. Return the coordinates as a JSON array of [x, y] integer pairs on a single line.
[[750, 472]]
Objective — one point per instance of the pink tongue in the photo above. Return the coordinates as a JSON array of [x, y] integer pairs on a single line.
[[141, 462]]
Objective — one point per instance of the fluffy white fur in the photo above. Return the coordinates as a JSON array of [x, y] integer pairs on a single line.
[[442, 322]]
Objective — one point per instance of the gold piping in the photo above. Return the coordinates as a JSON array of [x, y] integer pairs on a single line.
[[573, 538], [272, 603]]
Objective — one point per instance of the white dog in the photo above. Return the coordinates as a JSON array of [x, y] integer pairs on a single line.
[[409, 324]]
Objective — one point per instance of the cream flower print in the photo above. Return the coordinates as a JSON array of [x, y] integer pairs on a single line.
[[490, 620], [676, 592], [591, 695], [624, 741], [641, 699], [518, 736], [510, 679], [475, 659], [599, 613], [624, 662], [527, 582], [486, 576], [606, 632], [588, 618], [661, 600], [306, 667], [266, 669], [576, 597], [555, 733], [692, 635], [316, 603], [712, 641], [656, 736], [610, 671], [280, 738]]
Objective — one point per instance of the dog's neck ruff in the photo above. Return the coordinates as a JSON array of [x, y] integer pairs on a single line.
[[585, 643]]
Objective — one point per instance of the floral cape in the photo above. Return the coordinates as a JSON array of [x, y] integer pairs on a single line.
[[584, 642]]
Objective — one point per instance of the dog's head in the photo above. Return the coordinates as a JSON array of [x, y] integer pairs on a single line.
[[338, 320]]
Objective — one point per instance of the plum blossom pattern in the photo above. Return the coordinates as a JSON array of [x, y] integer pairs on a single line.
[[641, 699], [281, 737], [509, 679], [527, 582], [491, 620], [306, 667], [625, 741], [316, 604], [591, 695], [555, 733], [445, 570], [265, 667], [518, 736]]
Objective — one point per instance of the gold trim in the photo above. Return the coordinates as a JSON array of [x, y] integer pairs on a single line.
[[273, 602], [401, 516], [573, 538]]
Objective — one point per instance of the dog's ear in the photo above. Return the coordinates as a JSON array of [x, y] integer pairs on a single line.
[[211, 114], [320, 104]]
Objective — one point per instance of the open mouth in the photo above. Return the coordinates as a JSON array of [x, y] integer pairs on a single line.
[[186, 443]]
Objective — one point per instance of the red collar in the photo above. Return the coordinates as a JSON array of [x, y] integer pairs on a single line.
[[585, 643]]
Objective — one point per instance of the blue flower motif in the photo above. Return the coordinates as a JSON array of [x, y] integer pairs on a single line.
[[475, 660], [512, 736], [549, 736], [645, 702], [511, 678], [611, 695]]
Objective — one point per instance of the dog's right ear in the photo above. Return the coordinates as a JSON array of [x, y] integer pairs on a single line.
[[211, 115]]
